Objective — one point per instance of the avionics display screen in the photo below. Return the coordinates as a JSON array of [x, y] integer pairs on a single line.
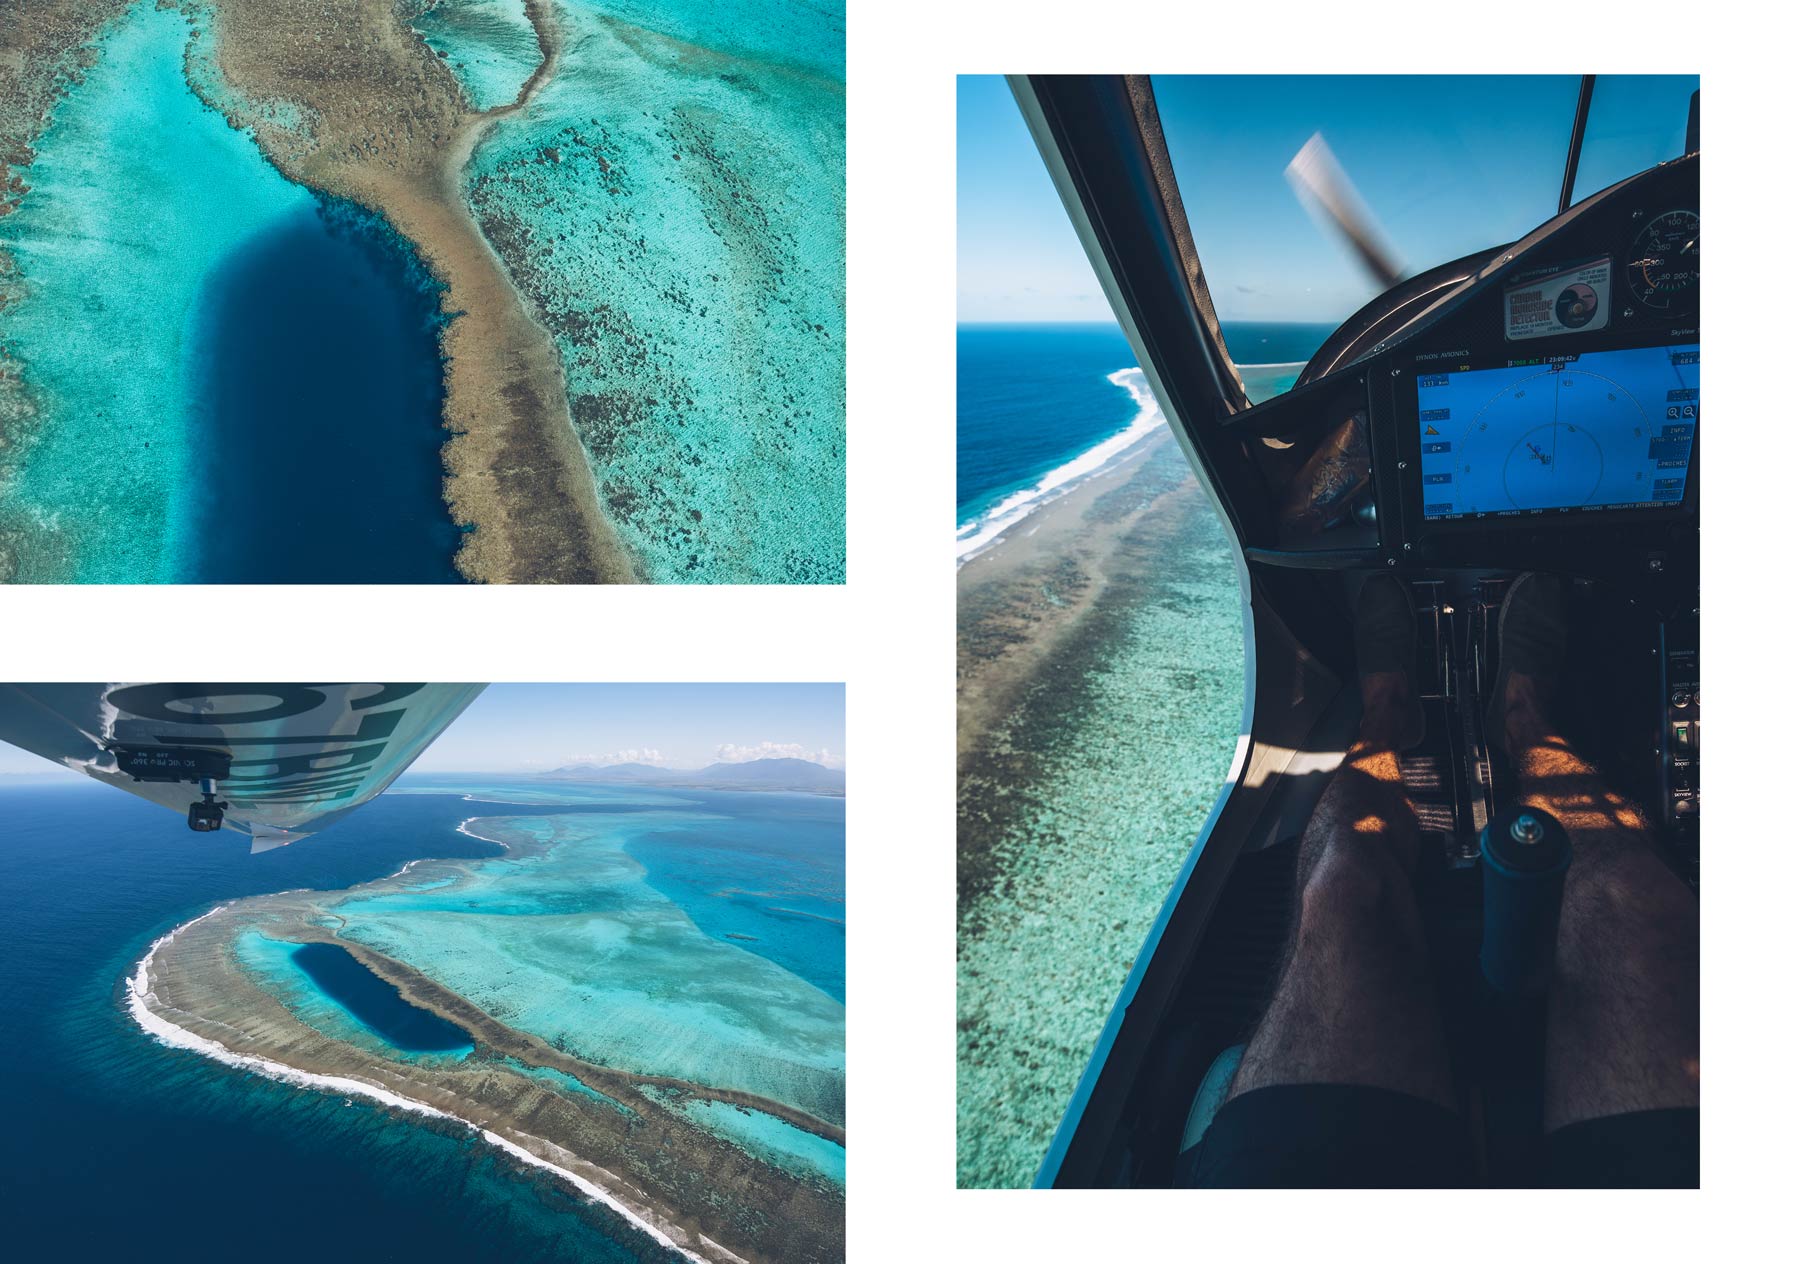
[[1599, 430]]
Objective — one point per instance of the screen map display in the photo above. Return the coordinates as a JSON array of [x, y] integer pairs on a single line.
[[1599, 430]]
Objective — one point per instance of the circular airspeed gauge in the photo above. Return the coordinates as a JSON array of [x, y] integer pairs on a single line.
[[1665, 259]]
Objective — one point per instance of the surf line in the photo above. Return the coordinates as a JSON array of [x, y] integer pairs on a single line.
[[498, 842], [175, 1036], [976, 536]]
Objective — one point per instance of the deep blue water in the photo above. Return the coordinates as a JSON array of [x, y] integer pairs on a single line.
[[770, 880], [118, 1148], [376, 1003], [1031, 397], [316, 396], [1272, 342]]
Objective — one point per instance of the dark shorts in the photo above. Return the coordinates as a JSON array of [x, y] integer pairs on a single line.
[[1346, 1136]]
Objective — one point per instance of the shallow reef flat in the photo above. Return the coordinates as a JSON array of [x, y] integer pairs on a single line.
[[768, 1138], [209, 352], [672, 203], [496, 949], [490, 44], [633, 222], [118, 270], [570, 944], [1100, 661], [332, 100], [389, 126], [110, 253], [45, 46]]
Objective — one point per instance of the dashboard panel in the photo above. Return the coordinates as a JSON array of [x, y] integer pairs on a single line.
[[1547, 412], [1537, 405], [1561, 389], [1562, 393], [1580, 432]]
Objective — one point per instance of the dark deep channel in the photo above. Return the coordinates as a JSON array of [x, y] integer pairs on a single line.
[[316, 398], [376, 1003]]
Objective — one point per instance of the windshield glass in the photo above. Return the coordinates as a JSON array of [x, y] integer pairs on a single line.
[[1634, 122], [1438, 167]]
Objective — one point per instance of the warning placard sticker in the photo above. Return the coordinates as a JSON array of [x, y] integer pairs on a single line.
[[1576, 300]]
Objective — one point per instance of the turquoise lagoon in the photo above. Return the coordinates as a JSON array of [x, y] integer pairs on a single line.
[[339, 1003], [490, 45], [672, 200], [233, 379], [569, 1084], [113, 247], [763, 1136], [597, 935]]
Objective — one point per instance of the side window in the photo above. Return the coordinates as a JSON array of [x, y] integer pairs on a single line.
[[1100, 651]]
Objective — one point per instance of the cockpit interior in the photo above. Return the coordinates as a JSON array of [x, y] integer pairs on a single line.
[[1530, 407]]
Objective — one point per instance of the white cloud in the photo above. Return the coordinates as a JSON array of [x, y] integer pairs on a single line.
[[731, 753], [634, 755], [645, 755]]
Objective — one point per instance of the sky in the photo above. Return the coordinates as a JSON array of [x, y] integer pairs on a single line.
[[533, 728], [1447, 164], [538, 727]]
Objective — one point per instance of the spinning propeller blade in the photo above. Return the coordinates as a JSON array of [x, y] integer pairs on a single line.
[[1321, 185]]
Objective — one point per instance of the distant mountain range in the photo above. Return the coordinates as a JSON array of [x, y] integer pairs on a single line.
[[610, 772], [753, 774]]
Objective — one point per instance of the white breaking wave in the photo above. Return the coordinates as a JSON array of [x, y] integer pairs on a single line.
[[463, 829], [988, 529], [178, 1037]]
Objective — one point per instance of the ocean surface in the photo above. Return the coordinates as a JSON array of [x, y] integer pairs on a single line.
[[232, 379], [315, 402], [1077, 808], [373, 1001], [580, 946], [1040, 407], [199, 1159], [1078, 804]]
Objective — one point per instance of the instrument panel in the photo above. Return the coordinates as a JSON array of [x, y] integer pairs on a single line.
[[1573, 433], [1534, 406], [1665, 269], [1561, 391]]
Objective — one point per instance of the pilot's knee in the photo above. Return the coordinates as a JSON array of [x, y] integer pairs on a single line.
[[1628, 899], [1354, 879]]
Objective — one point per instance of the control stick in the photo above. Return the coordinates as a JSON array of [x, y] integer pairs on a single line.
[[1524, 856]]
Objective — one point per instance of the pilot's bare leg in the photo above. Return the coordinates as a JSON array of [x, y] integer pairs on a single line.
[[1623, 1028], [1355, 1004]]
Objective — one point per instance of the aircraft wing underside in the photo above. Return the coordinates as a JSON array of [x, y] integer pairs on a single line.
[[288, 759]]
